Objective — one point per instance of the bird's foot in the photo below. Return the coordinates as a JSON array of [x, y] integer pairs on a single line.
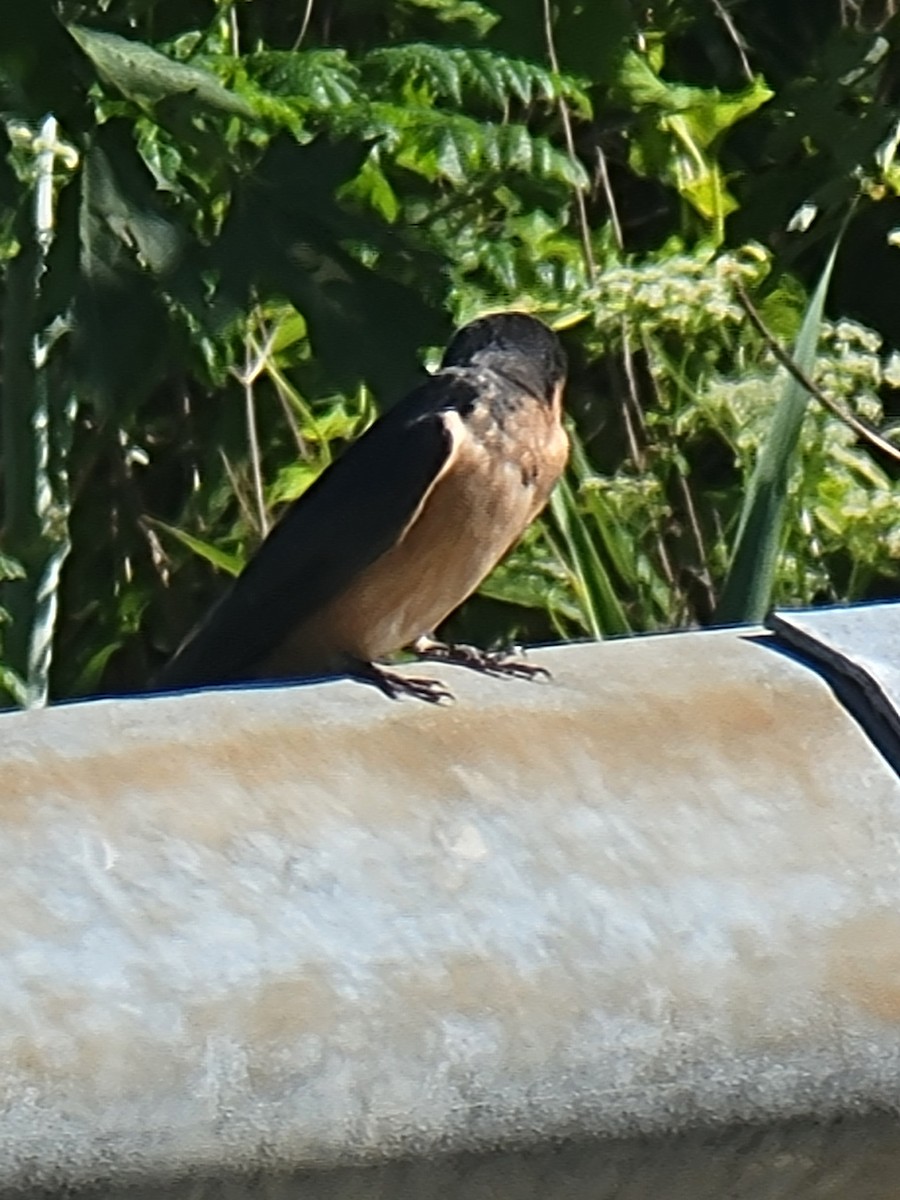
[[489, 662], [397, 686]]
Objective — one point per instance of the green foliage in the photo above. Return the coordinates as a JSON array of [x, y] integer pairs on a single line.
[[679, 130], [665, 534], [259, 221]]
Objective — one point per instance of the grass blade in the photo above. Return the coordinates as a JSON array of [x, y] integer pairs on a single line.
[[747, 593], [602, 612]]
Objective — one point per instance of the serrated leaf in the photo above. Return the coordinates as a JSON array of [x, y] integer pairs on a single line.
[[324, 78], [517, 78], [515, 147], [450, 152], [449, 72], [483, 75], [501, 261], [371, 185]]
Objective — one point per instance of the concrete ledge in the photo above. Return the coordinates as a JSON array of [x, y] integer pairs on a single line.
[[636, 928]]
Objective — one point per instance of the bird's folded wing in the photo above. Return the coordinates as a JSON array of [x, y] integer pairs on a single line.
[[350, 516]]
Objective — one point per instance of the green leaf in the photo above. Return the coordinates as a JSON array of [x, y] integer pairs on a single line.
[[143, 74], [123, 241], [290, 329], [457, 74], [10, 568], [529, 584], [291, 482], [13, 685], [88, 678], [323, 79], [707, 111], [682, 124], [231, 564], [450, 12], [371, 185]]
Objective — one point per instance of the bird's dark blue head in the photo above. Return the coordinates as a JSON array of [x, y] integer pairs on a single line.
[[516, 345]]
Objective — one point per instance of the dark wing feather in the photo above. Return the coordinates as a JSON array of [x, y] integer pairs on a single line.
[[351, 515]]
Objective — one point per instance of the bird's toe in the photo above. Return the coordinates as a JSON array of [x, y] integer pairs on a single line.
[[489, 662]]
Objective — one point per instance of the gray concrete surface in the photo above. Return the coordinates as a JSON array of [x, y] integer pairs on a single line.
[[631, 933], [857, 648]]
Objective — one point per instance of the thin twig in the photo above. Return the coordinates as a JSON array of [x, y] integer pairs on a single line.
[[703, 574], [251, 372], [292, 422], [610, 199], [303, 28], [631, 409], [234, 32], [580, 202], [860, 428], [734, 33], [253, 441], [265, 362], [159, 559], [237, 488], [689, 507]]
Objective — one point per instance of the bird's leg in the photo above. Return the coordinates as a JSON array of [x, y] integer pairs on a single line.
[[489, 662], [395, 685]]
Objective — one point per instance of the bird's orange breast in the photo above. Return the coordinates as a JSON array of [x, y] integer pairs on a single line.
[[496, 479]]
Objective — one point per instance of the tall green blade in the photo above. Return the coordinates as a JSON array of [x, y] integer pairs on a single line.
[[747, 593], [602, 612]]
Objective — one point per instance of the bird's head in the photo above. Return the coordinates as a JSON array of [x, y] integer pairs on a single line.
[[516, 345]]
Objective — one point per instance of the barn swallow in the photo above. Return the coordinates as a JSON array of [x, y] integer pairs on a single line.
[[406, 524]]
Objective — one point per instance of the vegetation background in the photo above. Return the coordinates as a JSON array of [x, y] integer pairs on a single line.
[[251, 223]]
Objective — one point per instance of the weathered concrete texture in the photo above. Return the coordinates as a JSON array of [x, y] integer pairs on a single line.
[[650, 910]]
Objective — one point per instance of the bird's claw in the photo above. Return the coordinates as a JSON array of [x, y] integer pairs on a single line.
[[489, 662], [396, 686]]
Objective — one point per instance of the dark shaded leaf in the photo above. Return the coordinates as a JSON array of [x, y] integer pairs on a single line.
[[143, 74], [120, 320], [284, 231]]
